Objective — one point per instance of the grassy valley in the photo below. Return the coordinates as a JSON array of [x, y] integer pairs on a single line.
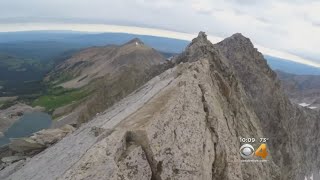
[[57, 97]]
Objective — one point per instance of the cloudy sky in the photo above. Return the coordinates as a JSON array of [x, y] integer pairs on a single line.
[[290, 27]]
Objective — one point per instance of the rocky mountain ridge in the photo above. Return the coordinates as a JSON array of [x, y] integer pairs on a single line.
[[96, 62], [186, 122], [291, 128], [108, 73]]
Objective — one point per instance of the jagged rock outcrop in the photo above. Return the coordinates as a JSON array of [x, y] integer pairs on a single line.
[[186, 124], [292, 130]]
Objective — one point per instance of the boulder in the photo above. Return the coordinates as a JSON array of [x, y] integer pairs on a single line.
[[25, 145], [67, 128], [48, 137]]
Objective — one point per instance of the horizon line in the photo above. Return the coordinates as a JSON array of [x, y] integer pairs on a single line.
[[108, 28]]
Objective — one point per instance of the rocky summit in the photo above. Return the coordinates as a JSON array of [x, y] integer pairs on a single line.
[[186, 123]]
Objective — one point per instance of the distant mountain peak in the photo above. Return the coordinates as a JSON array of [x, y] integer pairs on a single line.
[[135, 41]]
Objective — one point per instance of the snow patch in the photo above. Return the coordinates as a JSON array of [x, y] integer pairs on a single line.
[[170, 58], [304, 104]]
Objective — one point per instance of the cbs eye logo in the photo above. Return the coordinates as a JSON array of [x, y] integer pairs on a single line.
[[247, 151]]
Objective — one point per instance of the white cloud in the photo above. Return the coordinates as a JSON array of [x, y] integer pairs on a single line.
[[289, 26]]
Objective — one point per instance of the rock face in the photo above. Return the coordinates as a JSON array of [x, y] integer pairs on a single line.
[[186, 124], [292, 129]]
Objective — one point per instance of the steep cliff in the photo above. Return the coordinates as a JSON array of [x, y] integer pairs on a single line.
[[186, 124], [293, 130]]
